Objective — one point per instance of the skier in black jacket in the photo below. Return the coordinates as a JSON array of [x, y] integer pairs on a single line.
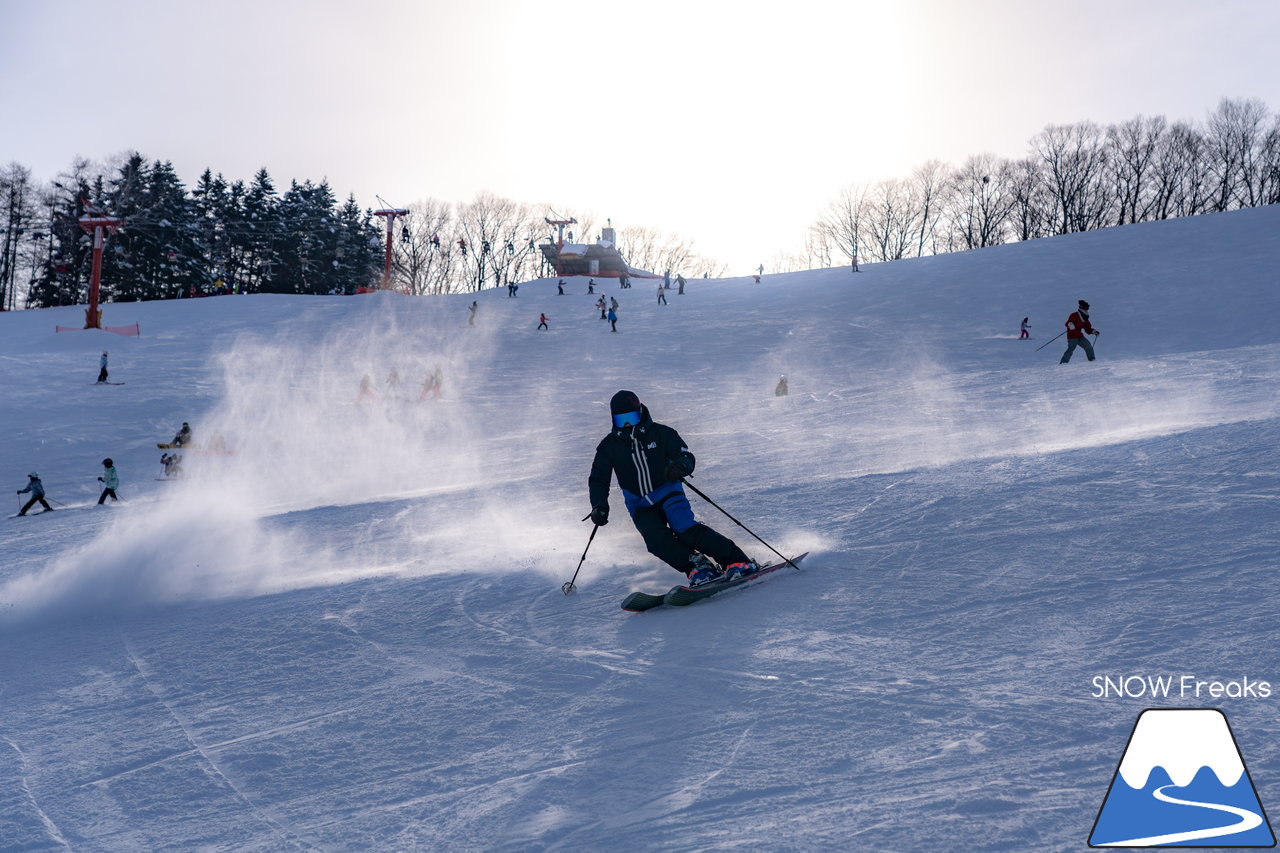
[[650, 460]]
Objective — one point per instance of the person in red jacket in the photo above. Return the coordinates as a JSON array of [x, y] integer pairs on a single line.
[[1077, 327]]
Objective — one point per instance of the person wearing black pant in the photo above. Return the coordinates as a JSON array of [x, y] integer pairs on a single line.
[[37, 494], [102, 372], [110, 481], [651, 461]]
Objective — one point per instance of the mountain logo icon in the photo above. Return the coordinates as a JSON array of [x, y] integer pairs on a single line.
[[1182, 782]]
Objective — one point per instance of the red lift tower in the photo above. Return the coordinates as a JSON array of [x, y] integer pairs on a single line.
[[390, 213], [99, 226]]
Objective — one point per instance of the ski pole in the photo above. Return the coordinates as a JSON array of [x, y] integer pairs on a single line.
[[699, 493], [568, 588], [1051, 340]]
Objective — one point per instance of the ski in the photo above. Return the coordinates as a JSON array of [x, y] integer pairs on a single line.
[[106, 383], [681, 596]]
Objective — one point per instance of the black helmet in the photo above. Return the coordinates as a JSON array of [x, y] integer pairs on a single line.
[[1083, 304], [623, 402], [107, 463]]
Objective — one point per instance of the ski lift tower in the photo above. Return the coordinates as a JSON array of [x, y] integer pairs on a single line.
[[99, 226], [390, 213], [560, 224]]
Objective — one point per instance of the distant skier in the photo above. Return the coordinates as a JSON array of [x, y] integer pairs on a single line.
[[183, 438], [431, 387], [1077, 327], [110, 481], [854, 260], [471, 319], [591, 285], [102, 368], [1026, 329], [37, 494], [613, 303], [650, 461], [613, 320], [603, 306], [560, 288], [781, 389], [542, 321], [679, 285], [759, 272], [366, 391], [172, 463], [662, 294]]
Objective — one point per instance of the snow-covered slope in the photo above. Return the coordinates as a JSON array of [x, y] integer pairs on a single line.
[[350, 634]]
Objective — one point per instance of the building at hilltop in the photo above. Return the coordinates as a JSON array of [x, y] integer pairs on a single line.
[[600, 259]]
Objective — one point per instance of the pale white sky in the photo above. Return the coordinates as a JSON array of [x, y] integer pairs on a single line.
[[732, 123]]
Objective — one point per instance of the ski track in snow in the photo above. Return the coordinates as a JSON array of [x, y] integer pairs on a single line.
[[350, 635]]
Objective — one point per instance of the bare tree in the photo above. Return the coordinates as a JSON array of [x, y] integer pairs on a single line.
[[1032, 210], [929, 185], [819, 249], [423, 258], [1181, 174], [982, 200], [1134, 147], [17, 227], [1235, 132], [657, 251], [845, 221], [1074, 158], [893, 220], [1269, 165]]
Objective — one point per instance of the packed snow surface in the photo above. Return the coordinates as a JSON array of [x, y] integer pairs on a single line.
[[350, 634]]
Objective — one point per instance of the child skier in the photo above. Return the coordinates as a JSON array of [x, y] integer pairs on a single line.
[[1077, 327], [110, 481], [1026, 329], [542, 322], [102, 368], [37, 494], [650, 461]]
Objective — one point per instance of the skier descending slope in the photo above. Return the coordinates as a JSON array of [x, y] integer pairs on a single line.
[[1077, 327], [650, 460]]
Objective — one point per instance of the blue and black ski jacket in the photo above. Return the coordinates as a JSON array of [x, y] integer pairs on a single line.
[[639, 456]]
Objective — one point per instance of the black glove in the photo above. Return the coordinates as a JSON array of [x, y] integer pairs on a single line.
[[675, 471], [100, 480], [600, 515]]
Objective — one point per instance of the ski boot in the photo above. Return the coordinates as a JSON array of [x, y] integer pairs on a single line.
[[702, 571], [733, 571]]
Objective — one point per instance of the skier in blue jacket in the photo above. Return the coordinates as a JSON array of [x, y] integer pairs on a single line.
[[110, 481], [37, 494], [650, 461]]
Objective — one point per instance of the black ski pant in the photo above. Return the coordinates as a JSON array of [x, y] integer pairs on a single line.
[[675, 549], [44, 503], [102, 375], [111, 493]]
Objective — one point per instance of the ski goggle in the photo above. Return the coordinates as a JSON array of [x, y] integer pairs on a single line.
[[625, 419]]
